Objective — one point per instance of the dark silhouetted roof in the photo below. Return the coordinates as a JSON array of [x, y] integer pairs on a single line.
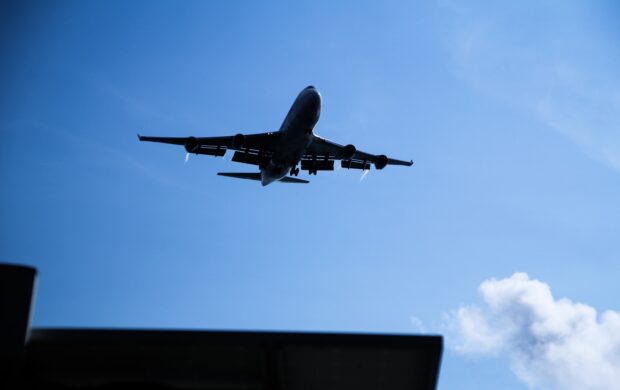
[[108, 359]]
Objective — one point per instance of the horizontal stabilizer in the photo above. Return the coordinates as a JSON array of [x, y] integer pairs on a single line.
[[256, 176], [241, 175], [288, 179]]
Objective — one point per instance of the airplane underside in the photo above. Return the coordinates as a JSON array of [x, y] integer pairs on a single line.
[[292, 148]]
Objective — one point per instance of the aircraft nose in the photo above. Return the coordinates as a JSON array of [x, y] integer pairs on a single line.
[[313, 95]]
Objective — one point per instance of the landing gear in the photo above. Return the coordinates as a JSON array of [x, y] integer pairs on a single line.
[[312, 172], [294, 171]]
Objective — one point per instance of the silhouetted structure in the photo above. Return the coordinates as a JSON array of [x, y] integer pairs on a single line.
[[110, 359], [16, 289]]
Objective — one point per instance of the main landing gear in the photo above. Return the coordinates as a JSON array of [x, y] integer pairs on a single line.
[[295, 171]]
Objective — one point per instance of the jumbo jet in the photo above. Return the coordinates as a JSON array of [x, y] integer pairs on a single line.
[[295, 146]]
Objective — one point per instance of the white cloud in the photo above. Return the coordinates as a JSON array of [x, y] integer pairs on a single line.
[[551, 343], [417, 324]]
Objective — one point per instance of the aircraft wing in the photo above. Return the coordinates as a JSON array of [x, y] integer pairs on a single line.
[[250, 148], [322, 149]]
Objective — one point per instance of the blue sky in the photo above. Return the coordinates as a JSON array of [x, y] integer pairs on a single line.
[[511, 113]]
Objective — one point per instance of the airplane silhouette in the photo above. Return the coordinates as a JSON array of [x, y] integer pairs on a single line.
[[287, 150]]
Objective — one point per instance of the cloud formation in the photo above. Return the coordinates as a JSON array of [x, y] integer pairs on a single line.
[[551, 343]]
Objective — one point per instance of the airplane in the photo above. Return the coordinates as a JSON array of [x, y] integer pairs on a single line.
[[295, 146]]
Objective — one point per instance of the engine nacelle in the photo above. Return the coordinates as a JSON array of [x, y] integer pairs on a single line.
[[348, 152], [381, 161], [238, 141], [191, 145]]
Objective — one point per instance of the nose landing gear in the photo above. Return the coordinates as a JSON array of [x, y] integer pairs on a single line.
[[294, 171]]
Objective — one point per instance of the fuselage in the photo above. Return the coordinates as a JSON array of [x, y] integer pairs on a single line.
[[296, 134]]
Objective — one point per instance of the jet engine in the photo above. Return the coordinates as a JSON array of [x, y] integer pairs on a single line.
[[238, 140], [381, 161], [348, 152], [192, 145]]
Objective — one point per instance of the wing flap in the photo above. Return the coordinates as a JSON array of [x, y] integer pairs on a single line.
[[353, 164], [248, 157], [209, 150], [263, 144], [323, 149]]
